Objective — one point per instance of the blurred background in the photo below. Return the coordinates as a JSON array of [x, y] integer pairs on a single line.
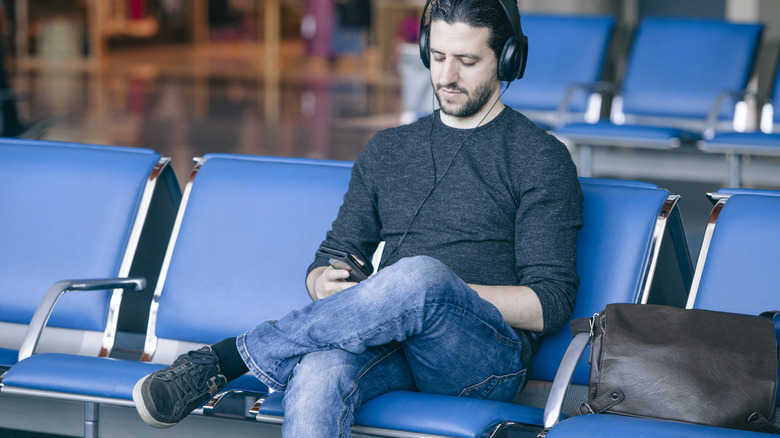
[[308, 78]]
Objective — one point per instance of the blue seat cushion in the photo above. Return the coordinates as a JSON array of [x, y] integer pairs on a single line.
[[610, 134], [429, 413], [93, 376], [610, 426], [758, 143]]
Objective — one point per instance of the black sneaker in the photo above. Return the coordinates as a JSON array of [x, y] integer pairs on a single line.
[[165, 397]]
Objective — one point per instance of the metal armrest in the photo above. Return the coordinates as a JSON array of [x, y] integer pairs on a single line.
[[714, 197], [552, 410], [210, 408], [711, 123], [42, 313], [255, 409], [605, 89]]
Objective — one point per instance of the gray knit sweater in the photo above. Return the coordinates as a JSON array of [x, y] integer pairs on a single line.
[[506, 211]]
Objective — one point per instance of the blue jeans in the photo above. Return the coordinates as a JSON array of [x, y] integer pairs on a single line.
[[413, 326]]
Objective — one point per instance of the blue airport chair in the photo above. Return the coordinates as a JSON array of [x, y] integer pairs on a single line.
[[72, 211], [736, 272], [624, 222], [735, 145], [247, 230], [567, 57], [677, 85]]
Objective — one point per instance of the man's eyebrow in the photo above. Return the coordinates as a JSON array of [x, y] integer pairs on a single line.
[[457, 55]]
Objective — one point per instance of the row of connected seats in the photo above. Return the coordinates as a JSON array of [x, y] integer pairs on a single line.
[[685, 80], [228, 242], [246, 229], [244, 233]]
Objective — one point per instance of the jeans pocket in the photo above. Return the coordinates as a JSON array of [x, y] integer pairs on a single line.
[[499, 388]]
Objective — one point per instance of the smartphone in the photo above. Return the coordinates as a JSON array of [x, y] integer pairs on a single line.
[[343, 260]]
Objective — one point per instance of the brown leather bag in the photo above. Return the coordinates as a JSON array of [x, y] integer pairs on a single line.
[[693, 366]]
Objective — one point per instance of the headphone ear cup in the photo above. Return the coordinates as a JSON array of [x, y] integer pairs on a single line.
[[509, 61], [425, 48]]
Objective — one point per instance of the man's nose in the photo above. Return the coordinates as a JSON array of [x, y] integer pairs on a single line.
[[449, 73]]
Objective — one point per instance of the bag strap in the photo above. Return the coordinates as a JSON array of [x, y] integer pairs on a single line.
[[580, 325], [606, 400], [600, 403], [761, 423]]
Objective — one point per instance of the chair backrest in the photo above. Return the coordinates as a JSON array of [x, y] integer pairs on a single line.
[[616, 248], [247, 230], [745, 191], [565, 50], [737, 270], [69, 211], [678, 67]]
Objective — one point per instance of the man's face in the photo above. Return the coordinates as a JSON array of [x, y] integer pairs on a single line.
[[463, 68]]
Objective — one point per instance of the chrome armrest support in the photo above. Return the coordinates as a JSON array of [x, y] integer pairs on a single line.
[[210, 406], [711, 124], [605, 89], [42, 313], [255, 409], [714, 197], [552, 410]]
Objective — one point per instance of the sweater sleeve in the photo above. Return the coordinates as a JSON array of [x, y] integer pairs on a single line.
[[547, 221], [356, 229]]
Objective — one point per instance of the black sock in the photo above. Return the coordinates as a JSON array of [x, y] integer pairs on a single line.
[[230, 362]]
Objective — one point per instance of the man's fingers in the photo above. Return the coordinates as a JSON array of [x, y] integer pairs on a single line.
[[333, 274]]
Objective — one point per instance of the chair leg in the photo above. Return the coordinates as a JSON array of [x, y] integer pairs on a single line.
[[91, 420], [735, 169]]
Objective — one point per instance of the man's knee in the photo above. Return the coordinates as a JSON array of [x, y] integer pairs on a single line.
[[423, 275], [321, 372]]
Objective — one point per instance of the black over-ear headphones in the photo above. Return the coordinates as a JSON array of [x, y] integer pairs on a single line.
[[511, 63]]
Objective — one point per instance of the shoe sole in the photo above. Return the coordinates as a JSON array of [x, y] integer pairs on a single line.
[[140, 406]]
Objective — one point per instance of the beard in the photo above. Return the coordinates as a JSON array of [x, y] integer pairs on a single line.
[[473, 104]]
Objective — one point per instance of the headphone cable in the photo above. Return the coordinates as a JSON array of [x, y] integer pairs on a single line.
[[446, 169]]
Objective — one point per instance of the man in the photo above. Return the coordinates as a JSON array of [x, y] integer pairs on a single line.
[[479, 209]]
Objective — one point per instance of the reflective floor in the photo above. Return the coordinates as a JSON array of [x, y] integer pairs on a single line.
[[187, 101]]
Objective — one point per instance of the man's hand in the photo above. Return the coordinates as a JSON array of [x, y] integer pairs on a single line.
[[325, 281]]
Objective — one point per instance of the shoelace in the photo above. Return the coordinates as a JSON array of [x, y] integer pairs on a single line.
[[195, 380]]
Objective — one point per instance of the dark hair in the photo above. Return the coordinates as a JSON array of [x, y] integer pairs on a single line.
[[476, 13]]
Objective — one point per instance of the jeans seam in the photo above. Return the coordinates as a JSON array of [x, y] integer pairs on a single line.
[[503, 338], [340, 344], [354, 387], [496, 378]]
